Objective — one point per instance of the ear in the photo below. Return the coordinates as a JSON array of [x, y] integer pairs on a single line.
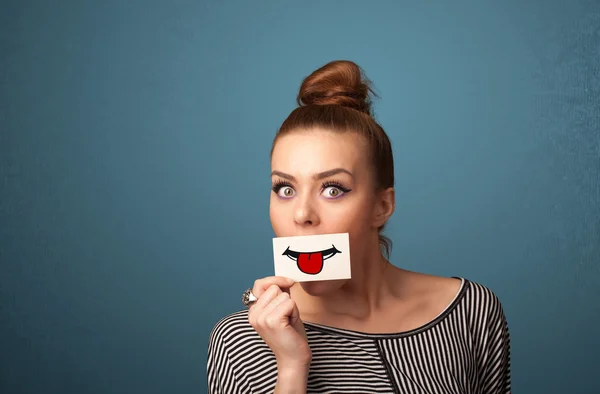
[[385, 205]]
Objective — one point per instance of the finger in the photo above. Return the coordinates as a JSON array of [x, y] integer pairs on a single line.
[[264, 300], [261, 285], [280, 316], [281, 297]]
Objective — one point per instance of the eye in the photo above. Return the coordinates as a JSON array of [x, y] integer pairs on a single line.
[[334, 190], [283, 189], [286, 192]]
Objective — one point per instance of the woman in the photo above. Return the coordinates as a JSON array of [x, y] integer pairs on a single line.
[[385, 330]]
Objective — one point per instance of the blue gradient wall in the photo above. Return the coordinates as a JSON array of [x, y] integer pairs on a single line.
[[134, 172]]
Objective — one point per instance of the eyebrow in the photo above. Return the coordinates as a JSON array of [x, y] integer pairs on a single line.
[[320, 175]]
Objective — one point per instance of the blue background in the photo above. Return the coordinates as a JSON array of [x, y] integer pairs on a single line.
[[134, 172]]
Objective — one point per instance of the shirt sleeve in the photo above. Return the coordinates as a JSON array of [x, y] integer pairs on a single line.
[[219, 371], [495, 371]]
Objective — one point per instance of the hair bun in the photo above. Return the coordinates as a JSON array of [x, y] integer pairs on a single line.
[[340, 82]]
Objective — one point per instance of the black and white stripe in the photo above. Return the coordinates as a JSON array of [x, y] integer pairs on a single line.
[[466, 349]]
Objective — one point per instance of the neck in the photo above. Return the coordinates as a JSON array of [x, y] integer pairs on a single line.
[[358, 298]]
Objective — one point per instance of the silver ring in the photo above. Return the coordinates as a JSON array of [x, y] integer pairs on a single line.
[[248, 298]]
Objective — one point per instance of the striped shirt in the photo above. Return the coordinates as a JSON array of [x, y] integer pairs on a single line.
[[465, 349]]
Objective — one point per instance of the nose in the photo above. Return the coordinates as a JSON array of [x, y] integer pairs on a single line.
[[305, 213]]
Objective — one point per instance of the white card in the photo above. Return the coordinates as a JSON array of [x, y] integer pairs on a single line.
[[312, 257]]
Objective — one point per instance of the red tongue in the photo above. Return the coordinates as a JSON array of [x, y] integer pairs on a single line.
[[310, 263]]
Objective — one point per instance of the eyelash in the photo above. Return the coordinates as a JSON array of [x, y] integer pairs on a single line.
[[280, 184], [336, 185]]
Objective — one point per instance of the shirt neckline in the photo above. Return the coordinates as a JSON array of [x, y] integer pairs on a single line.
[[366, 335]]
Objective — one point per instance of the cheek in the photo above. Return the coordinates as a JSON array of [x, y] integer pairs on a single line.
[[355, 220], [274, 217], [281, 222], [353, 216]]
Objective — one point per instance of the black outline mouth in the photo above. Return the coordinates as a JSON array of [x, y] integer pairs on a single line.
[[326, 254]]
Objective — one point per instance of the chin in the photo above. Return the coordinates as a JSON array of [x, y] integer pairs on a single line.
[[322, 287]]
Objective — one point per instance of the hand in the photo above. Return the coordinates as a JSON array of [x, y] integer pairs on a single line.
[[276, 318]]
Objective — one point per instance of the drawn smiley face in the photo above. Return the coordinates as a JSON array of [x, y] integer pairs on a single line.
[[311, 263]]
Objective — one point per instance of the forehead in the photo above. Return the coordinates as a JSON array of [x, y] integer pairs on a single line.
[[316, 150]]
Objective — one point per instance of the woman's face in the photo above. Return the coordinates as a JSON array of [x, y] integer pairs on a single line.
[[322, 183]]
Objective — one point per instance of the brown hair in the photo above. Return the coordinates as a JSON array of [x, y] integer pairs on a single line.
[[336, 97]]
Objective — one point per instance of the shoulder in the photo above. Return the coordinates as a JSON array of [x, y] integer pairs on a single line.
[[475, 295], [233, 350], [233, 333], [490, 333], [481, 299], [432, 293], [232, 327], [482, 311], [466, 299]]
